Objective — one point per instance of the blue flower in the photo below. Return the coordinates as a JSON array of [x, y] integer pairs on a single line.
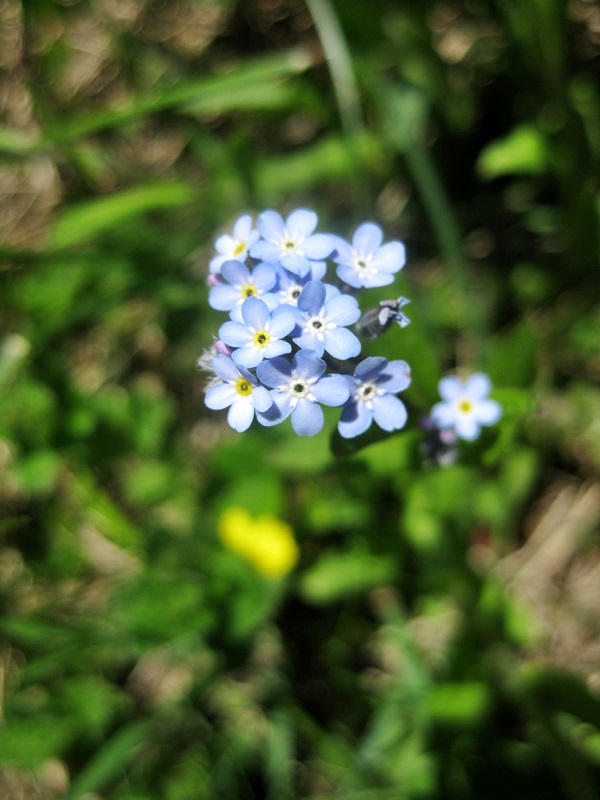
[[298, 388], [236, 247], [372, 392], [261, 335], [238, 390], [365, 262], [239, 283], [465, 406], [322, 322], [289, 285], [292, 242]]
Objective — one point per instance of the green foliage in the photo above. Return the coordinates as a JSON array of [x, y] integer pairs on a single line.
[[438, 636]]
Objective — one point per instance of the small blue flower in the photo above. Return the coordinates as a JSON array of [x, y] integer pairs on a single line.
[[366, 262], [322, 322], [465, 405], [236, 247], [238, 390], [298, 388], [291, 242], [289, 285], [261, 335], [239, 283], [372, 392]]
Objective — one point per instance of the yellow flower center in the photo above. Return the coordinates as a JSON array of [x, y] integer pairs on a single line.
[[243, 387], [239, 248], [465, 406], [261, 338], [249, 291]]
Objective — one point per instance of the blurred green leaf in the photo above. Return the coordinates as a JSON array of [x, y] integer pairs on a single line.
[[337, 574], [81, 223], [110, 761], [522, 152]]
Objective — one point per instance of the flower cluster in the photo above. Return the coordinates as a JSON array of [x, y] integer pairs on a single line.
[[287, 348], [288, 328]]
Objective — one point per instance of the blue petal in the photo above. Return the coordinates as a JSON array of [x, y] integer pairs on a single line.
[[283, 322], [275, 373], [220, 396], [367, 239], [243, 227], [370, 368], [235, 273], [477, 386], [312, 298], [467, 427], [318, 246], [296, 263], [395, 377], [450, 387], [342, 343], [301, 223], [308, 365], [488, 412], [391, 257], [345, 254], [248, 356], [265, 251], [311, 342], [234, 334], [223, 297], [342, 310], [280, 410], [277, 348], [389, 412], [332, 390], [241, 414], [307, 418], [255, 313], [443, 415], [261, 398], [225, 369], [350, 276], [356, 419], [270, 226], [264, 277]]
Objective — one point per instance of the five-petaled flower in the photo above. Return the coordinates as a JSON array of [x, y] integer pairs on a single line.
[[292, 242], [376, 380], [236, 247], [261, 334], [366, 262], [323, 322], [298, 389], [239, 390], [465, 405], [239, 283]]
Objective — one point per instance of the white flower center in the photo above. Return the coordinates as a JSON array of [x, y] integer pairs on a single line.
[[363, 265], [291, 294], [289, 244], [300, 388], [366, 393], [318, 325]]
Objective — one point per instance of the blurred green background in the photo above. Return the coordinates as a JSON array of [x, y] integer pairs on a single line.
[[439, 635]]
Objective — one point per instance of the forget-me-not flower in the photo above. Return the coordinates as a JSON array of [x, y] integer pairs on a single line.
[[323, 322], [239, 390], [465, 405], [239, 283], [366, 262], [372, 390], [298, 389], [289, 285], [260, 335], [291, 242], [236, 247]]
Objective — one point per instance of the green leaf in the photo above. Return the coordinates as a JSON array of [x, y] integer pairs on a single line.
[[522, 152], [111, 760], [82, 222], [337, 574]]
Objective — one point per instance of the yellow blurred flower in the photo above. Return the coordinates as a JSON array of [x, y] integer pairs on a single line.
[[266, 542]]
